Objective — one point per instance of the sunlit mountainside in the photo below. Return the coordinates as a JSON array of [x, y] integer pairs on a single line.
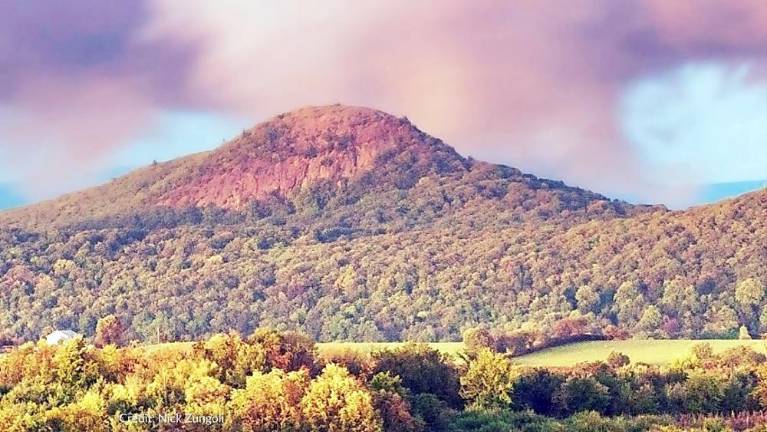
[[352, 224]]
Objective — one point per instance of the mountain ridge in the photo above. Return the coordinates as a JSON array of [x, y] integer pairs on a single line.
[[335, 145]]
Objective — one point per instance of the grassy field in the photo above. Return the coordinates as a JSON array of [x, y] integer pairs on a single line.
[[639, 351]]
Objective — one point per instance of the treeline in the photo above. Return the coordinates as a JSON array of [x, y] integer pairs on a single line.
[[519, 342], [272, 381]]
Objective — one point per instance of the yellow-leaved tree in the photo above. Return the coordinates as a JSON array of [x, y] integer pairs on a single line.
[[337, 402], [269, 402], [488, 382]]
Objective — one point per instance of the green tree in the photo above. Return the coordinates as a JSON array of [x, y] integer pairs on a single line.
[[700, 393], [535, 390], [422, 370], [721, 321], [489, 380], [628, 303], [587, 299], [749, 292], [651, 319], [582, 394]]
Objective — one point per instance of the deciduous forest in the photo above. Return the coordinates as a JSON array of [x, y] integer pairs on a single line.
[[348, 224]]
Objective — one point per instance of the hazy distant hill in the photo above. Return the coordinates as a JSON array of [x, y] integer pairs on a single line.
[[350, 223]]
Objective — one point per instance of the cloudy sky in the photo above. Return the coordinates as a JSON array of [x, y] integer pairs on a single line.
[[651, 101]]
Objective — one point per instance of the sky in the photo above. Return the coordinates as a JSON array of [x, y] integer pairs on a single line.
[[646, 100]]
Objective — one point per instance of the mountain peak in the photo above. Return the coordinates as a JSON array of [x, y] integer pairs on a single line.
[[315, 155], [294, 150], [318, 128]]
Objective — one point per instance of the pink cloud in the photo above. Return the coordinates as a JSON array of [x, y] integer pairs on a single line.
[[532, 83], [65, 131]]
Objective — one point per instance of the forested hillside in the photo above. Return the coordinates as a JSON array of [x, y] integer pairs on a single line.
[[351, 224]]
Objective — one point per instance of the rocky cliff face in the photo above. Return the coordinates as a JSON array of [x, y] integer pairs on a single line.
[[295, 150]]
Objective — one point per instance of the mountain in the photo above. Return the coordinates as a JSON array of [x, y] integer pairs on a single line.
[[346, 152], [349, 223]]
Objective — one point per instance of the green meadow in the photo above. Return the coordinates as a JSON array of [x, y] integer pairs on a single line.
[[639, 351]]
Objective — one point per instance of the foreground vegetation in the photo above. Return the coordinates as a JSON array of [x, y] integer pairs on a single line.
[[272, 381]]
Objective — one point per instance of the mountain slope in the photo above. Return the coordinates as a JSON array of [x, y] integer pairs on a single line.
[[338, 150], [349, 223]]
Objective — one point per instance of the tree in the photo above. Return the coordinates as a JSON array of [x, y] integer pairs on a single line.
[[336, 401], [743, 333], [587, 299], [749, 292], [700, 393], [474, 339], [703, 351], [489, 381], [236, 359], [422, 370], [763, 320], [271, 402], [628, 303], [84, 415], [536, 389], [651, 319], [569, 327], [289, 351], [390, 401], [73, 365], [581, 394], [109, 331], [721, 321]]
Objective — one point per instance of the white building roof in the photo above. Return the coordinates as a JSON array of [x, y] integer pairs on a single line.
[[60, 335]]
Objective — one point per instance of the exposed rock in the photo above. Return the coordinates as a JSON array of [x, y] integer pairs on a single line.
[[294, 150]]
